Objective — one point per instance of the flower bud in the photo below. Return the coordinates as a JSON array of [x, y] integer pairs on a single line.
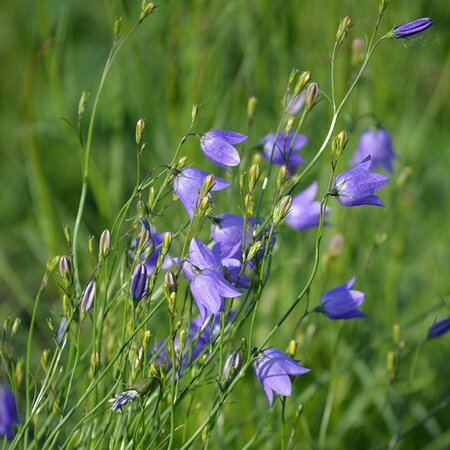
[[232, 366], [344, 26], [104, 244], [289, 124], [167, 242], [67, 306], [281, 177], [396, 333], [208, 184], [91, 245], [336, 245], [65, 268], [251, 108], [142, 208], [117, 27], [140, 125], [183, 337], [410, 28], [292, 348], [44, 359], [205, 206], [88, 297], [312, 94], [253, 176], [282, 209], [292, 76], [146, 9], [339, 143], [249, 205], [170, 282], [254, 250], [358, 51], [139, 283], [146, 339], [15, 326], [52, 264], [302, 81]]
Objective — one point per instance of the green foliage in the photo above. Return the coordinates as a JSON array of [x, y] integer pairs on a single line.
[[219, 54]]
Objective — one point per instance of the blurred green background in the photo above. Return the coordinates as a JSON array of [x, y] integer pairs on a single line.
[[218, 54]]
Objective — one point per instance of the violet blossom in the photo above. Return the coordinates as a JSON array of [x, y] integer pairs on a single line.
[[204, 269], [188, 186], [8, 412], [358, 185], [279, 151], [217, 145], [139, 283], [439, 328], [410, 28], [273, 369], [342, 302], [377, 143], [305, 211]]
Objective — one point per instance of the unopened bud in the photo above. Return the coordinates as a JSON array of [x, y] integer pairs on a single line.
[[292, 348], [282, 209], [44, 359], [183, 337], [67, 306], [117, 27], [205, 204], [167, 242], [146, 339], [232, 366], [91, 240], [380, 238], [88, 297], [281, 177], [104, 244], [242, 176], [404, 176], [339, 143], [151, 197], [170, 282], [146, 10], [251, 108], [140, 125], [142, 208], [18, 372], [396, 333], [311, 94], [182, 162], [289, 124], [253, 176], [65, 268], [344, 26], [358, 51], [52, 264], [302, 81], [139, 283], [67, 234], [208, 184], [254, 250], [15, 326], [249, 205], [336, 245]]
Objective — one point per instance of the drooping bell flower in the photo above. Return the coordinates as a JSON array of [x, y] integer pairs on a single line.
[[357, 186], [273, 369], [218, 146]]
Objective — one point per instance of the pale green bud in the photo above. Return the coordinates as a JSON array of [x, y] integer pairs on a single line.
[[140, 125]]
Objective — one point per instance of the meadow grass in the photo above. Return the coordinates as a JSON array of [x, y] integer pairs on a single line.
[[218, 55]]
